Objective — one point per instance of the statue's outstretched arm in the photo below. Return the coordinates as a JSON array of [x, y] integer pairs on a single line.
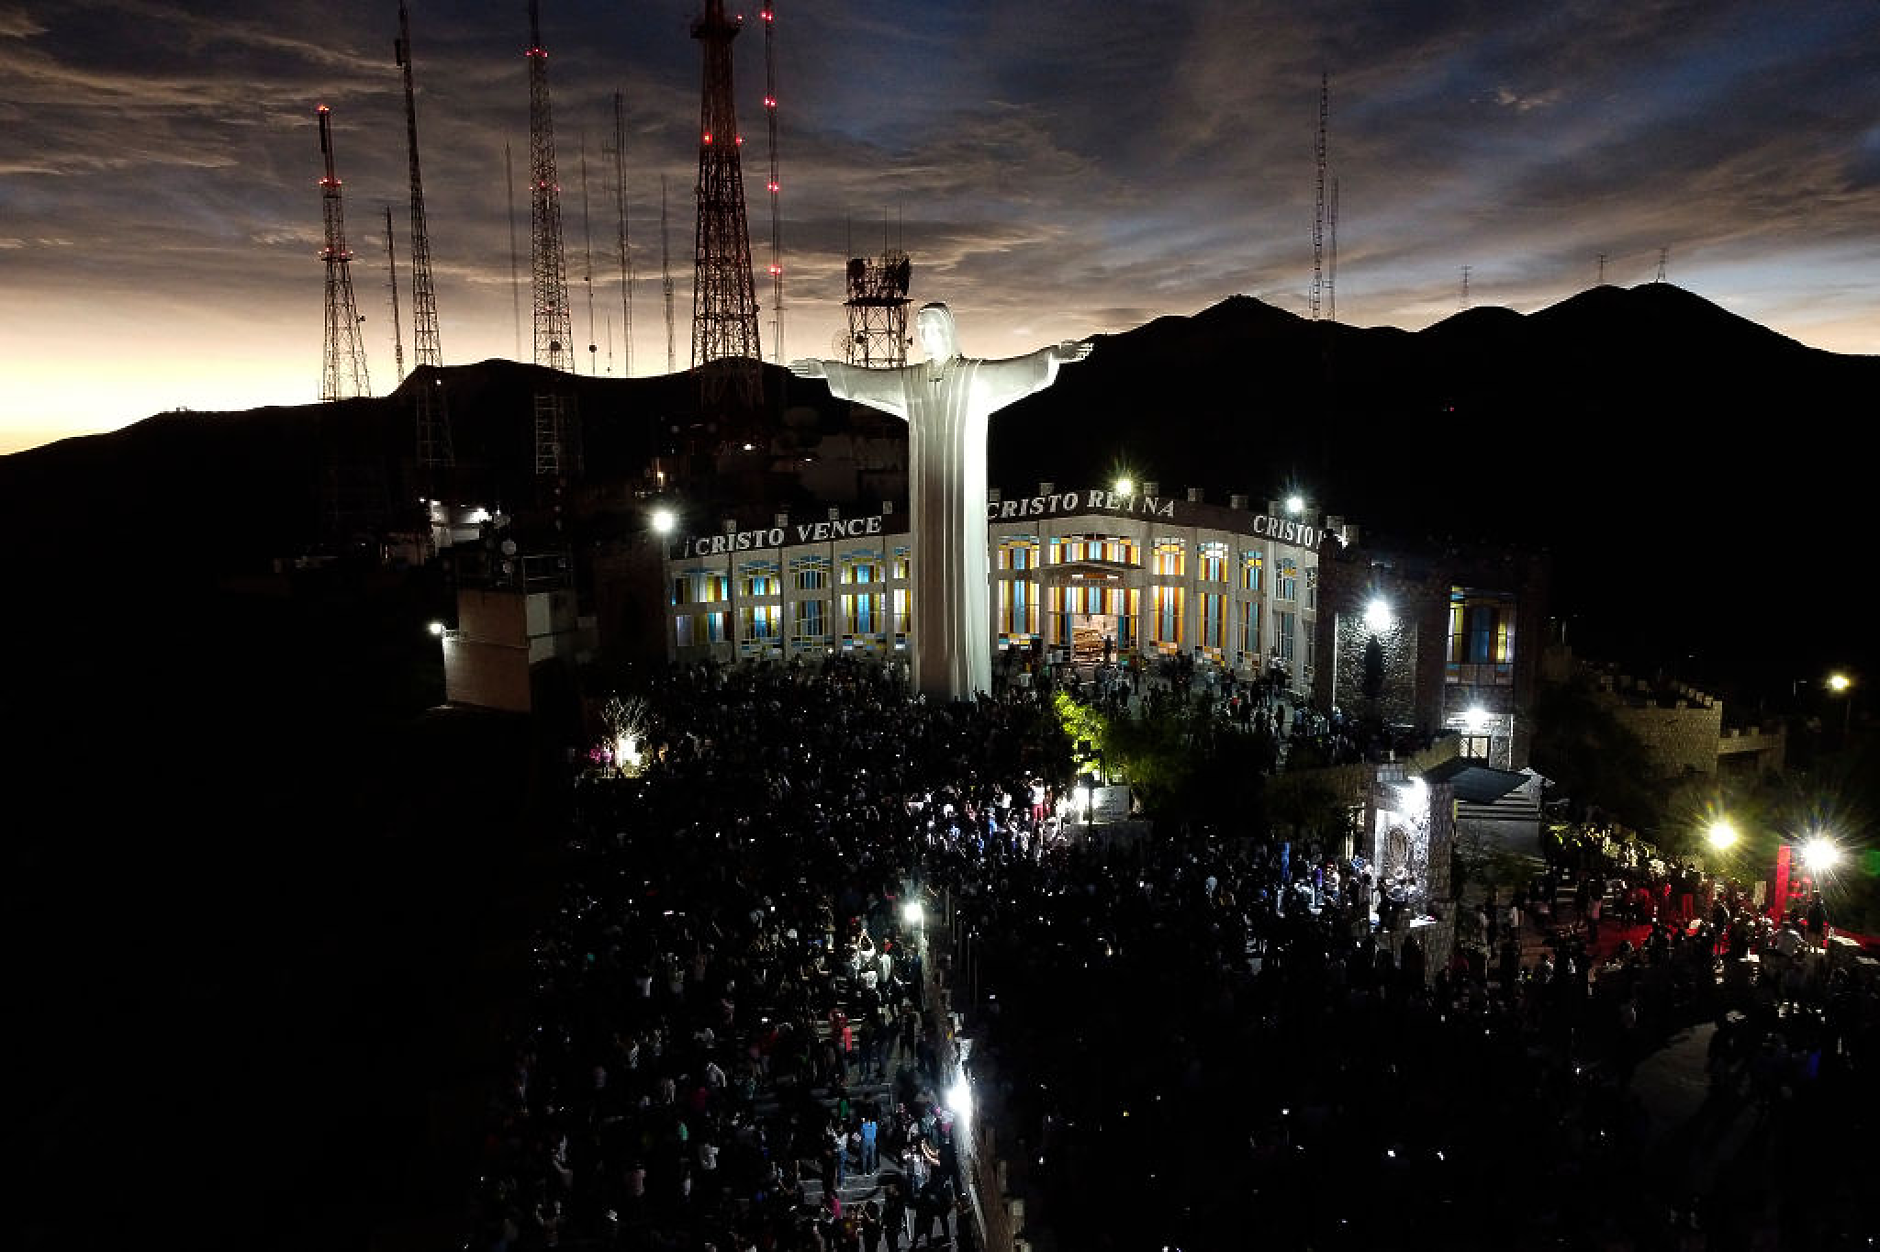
[[878, 389], [1016, 377]]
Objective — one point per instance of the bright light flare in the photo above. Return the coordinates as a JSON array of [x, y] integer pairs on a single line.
[[1839, 682], [1821, 854], [1125, 486], [1721, 835], [960, 1100], [1475, 719], [912, 914], [1377, 616], [1295, 504], [664, 521], [437, 629]]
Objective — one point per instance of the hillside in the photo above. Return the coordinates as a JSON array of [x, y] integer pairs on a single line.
[[1674, 458]]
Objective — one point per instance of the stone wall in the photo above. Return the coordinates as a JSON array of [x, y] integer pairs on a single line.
[[1397, 702]]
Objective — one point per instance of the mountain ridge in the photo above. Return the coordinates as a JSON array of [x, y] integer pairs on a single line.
[[1646, 412]]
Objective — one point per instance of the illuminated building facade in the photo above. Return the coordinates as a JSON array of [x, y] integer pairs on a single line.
[[1439, 639], [1083, 575]]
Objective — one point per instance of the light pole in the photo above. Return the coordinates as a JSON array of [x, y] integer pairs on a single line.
[[1843, 686]]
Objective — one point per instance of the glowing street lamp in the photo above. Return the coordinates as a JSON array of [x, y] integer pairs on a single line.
[[1377, 615], [1721, 835], [1820, 854], [1125, 486], [1295, 504], [664, 521], [1842, 685]]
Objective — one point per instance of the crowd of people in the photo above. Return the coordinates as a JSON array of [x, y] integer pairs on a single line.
[[1188, 1040]]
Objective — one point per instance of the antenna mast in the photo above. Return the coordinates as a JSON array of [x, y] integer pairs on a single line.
[[1331, 269], [665, 275], [391, 261], [515, 271], [1664, 255], [877, 306], [424, 343], [1318, 216], [1464, 303], [626, 250], [548, 271], [724, 299], [343, 373], [776, 207], [587, 236]]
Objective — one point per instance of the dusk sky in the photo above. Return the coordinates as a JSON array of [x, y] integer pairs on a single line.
[[1054, 169]]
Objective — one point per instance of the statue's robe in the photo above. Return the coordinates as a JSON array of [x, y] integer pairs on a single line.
[[947, 414]]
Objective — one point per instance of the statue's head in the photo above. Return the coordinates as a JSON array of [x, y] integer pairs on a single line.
[[938, 336]]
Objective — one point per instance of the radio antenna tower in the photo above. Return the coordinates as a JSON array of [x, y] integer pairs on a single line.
[[424, 344], [1331, 269], [877, 306], [1664, 255], [776, 208], [515, 265], [549, 274], [391, 262], [587, 277], [665, 275], [1602, 269], [343, 373], [1318, 215], [725, 348], [557, 431], [626, 248], [1464, 303]]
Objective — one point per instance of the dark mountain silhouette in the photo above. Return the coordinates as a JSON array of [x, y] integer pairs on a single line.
[[1680, 463]]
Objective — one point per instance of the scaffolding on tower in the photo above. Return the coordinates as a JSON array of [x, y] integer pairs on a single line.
[[343, 370], [557, 421], [726, 352]]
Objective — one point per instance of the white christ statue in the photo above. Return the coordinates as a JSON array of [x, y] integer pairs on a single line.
[[947, 402]]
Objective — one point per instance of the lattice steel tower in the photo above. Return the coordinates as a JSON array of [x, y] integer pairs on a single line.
[[1318, 215], [877, 306], [775, 187], [424, 343], [557, 424], [549, 273], [343, 374], [725, 347]]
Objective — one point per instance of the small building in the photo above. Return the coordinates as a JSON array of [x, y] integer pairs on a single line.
[[517, 616], [1445, 639]]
